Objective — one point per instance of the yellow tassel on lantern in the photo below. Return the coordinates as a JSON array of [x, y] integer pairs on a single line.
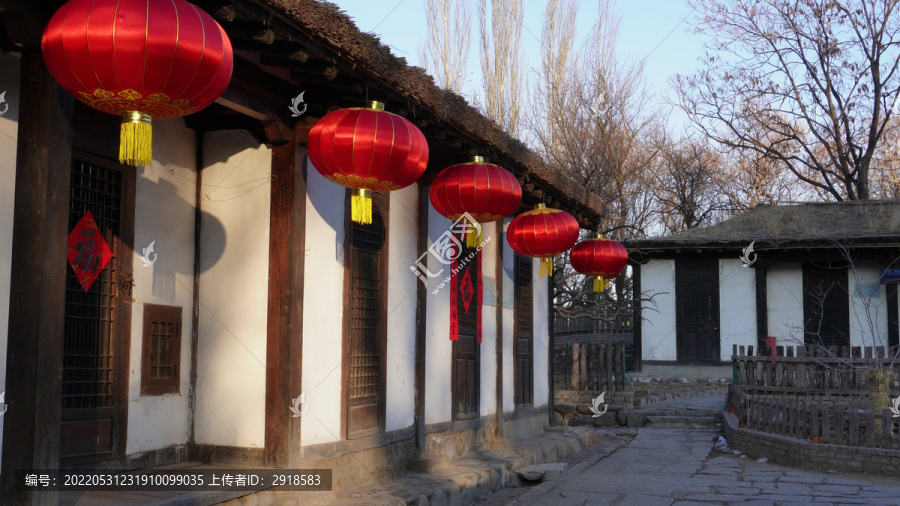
[[135, 139], [473, 234], [599, 284], [546, 267], [361, 206]]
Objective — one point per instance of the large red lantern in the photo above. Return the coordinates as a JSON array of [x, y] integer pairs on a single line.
[[367, 149], [599, 257], [484, 191], [543, 233], [141, 59]]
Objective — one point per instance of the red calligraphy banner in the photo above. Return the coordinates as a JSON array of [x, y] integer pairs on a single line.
[[454, 314], [87, 251]]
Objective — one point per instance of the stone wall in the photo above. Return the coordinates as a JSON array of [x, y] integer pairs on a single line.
[[586, 396], [808, 455]]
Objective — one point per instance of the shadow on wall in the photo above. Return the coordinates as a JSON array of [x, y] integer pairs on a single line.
[[324, 204], [171, 214]]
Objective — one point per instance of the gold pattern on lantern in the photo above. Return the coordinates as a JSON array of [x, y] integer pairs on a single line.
[[158, 105], [371, 183]]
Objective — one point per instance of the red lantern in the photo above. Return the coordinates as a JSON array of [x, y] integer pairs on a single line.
[[485, 191], [368, 150], [141, 59], [543, 233], [599, 257]]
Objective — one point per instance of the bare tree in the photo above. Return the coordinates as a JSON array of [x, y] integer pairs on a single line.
[[817, 76], [747, 179], [590, 115], [501, 62], [557, 83], [685, 185], [446, 49]]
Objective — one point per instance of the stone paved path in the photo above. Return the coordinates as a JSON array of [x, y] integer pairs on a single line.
[[678, 467]]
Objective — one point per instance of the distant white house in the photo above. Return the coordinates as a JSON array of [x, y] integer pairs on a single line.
[[815, 275]]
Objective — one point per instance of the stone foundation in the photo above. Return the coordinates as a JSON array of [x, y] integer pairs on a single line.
[[808, 455]]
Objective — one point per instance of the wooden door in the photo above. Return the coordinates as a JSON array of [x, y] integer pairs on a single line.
[[366, 336], [697, 315], [524, 332], [465, 348], [826, 305], [97, 322]]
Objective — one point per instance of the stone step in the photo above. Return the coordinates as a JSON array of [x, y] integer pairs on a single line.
[[680, 422], [461, 481]]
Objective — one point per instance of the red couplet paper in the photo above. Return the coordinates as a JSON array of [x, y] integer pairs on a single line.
[[87, 252]]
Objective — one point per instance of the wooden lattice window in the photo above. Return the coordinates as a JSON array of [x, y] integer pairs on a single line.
[[524, 344], [366, 325], [161, 355]]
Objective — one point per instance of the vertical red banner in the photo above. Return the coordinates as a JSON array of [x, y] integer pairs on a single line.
[[454, 288]]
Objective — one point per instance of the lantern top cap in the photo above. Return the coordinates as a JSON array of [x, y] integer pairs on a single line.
[[599, 235], [477, 159], [375, 105], [541, 206]]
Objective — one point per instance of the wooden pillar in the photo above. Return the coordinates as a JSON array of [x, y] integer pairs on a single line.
[[421, 306], [762, 301], [893, 331], [551, 317], [287, 237], [637, 323], [31, 431], [500, 281]]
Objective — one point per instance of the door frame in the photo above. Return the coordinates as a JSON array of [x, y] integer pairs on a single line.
[[380, 205], [454, 370], [122, 345], [683, 266]]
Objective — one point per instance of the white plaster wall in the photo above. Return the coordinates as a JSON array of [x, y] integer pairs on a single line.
[[868, 306], [164, 215], [509, 399], [541, 349], [737, 306], [231, 364], [438, 349], [658, 328], [323, 303], [401, 318], [784, 289], [488, 347], [9, 130]]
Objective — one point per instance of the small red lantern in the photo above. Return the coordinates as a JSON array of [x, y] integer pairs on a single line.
[[141, 59], [485, 191], [367, 149], [599, 257], [543, 232]]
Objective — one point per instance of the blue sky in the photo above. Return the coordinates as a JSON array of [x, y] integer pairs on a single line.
[[656, 31]]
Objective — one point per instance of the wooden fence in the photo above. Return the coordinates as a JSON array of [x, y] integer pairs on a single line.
[[837, 424], [612, 328], [588, 366], [811, 369]]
